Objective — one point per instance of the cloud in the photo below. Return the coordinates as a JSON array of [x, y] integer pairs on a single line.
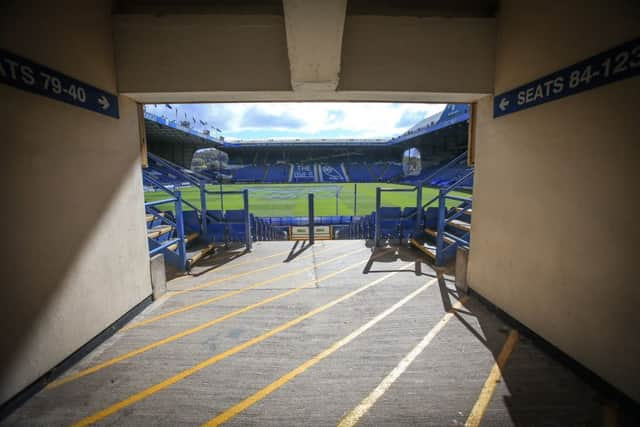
[[334, 116], [255, 117], [410, 118], [304, 119]]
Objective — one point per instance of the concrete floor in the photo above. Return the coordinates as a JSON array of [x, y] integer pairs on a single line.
[[168, 383]]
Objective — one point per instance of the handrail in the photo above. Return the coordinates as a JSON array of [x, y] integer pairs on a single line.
[[398, 190], [443, 195], [146, 176], [203, 211], [458, 182], [451, 188], [227, 192], [160, 202], [161, 217], [448, 165], [169, 165], [178, 225], [162, 247], [456, 238], [417, 214]]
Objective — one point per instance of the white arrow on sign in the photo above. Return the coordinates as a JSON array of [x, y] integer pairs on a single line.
[[504, 103], [104, 102]]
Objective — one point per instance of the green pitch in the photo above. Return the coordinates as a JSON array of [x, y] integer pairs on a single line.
[[291, 199]]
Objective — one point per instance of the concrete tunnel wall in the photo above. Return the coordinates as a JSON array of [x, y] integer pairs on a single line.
[[75, 258], [555, 230]]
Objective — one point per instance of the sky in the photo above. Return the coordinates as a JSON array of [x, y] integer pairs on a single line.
[[300, 119]]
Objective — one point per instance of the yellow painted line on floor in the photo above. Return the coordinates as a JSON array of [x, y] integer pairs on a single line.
[[266, 391], [235, 276], [92, 419], [198, 328], [356, 414], [231, 264], [231, 293], [492, 381]]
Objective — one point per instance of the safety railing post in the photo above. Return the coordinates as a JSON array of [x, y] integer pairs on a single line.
[[182, 245], [376, 238], [418, 210], [312, 220], [355, 199], [442, 210], [203, 208], [247, 220]]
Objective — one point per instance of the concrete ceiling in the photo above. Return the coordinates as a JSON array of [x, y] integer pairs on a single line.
[[314, 42], [268, 50], [416, 8]]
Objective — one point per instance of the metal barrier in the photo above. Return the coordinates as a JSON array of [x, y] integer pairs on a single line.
[[457, 160], [202, 210], [204, 214], [417, 213], [444, 220], [176, 256]]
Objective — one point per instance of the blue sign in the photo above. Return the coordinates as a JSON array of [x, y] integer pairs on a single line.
[[27, 75], [615, 64]]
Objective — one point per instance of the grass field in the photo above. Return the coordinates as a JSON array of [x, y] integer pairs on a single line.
[[291, 199]]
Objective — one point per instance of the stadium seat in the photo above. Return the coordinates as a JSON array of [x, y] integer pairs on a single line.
[[390, 218], [191, 222], [216, 232], [431, 218], [215, 214], [408, 224]]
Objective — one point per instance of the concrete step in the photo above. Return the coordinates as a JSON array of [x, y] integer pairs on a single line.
[[468, 211], [155, 232], [460, 225], [195, 256], [191, 237], [434, 234], [426, 248], [187, 239], [150, 217]]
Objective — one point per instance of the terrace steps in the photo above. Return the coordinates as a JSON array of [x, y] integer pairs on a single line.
[[161, 230], [426, 248], [434, 234], [460, 225], [150, 217], [196, 255]]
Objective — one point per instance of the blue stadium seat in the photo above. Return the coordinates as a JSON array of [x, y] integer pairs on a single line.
[[358, 172], [431, 218], [215, 213], [277, 173], [390, 218], [191, 221], [408, 222], [234, 216], [216, 232]]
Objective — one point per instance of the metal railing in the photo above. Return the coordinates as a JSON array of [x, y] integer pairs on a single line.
[[417, 213], [455, 161], [206, 217], [178, 255], [193, 177], [442, 247]]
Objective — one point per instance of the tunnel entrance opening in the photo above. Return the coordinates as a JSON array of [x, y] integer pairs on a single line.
[[272, 159]]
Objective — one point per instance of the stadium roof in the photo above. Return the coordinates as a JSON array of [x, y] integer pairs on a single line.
[[160, 127]]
